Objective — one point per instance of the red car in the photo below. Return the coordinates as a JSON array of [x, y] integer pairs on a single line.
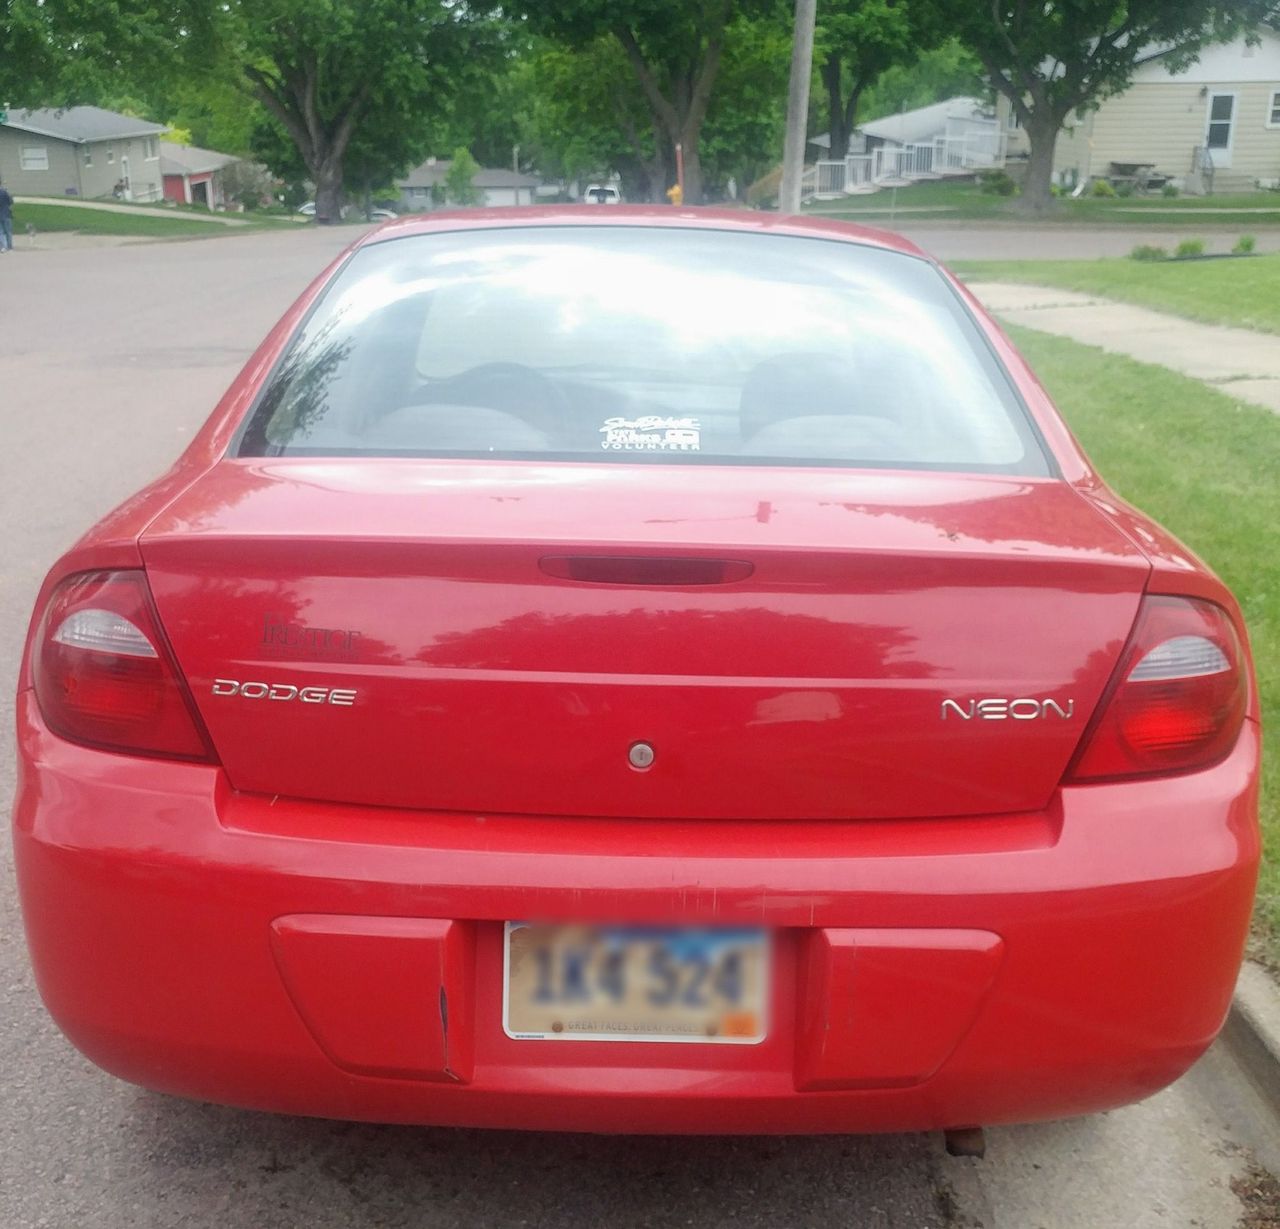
[[637, 670]]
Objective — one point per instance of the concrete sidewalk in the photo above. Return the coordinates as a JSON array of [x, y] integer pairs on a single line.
[[1243, 363]]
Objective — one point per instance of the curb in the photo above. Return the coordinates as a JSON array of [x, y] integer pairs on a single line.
[[1253, 1029]]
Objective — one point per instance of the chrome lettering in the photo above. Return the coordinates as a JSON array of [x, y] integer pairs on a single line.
[[341, 697], [1001, 708]]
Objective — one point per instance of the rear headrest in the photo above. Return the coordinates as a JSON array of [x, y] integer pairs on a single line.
[[455, 428], [795, 386]]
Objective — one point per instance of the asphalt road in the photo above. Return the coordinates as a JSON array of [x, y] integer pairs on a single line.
[[109, 359]]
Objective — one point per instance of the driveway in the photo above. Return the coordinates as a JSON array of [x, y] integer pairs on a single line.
[[110, 358]]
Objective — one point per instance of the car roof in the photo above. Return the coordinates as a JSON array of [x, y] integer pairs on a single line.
[[659, 216]]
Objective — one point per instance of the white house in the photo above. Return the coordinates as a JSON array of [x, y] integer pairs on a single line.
[[1215, 126], [957, 136]]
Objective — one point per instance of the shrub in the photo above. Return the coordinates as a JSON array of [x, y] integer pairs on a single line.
[[1101, 188], [1125, 189], [996, 183], [763, 194], [1189, 248], [1145, 251], [1170, 190], [1245, 245]]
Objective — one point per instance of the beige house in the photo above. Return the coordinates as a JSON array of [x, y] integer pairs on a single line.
[[1214, 127], [81, 151]]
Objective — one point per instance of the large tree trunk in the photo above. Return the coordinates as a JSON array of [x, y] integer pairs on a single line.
[[1042, 132], [692, 168], [328, 178], [837, 129]]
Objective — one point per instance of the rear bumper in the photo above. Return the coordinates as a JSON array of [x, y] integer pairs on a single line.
[[292, 957]]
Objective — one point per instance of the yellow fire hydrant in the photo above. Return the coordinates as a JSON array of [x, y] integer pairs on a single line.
[[675, 194]]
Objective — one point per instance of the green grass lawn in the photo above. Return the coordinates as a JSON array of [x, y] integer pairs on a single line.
[[1239, 292], [48, 217], [1206, 467], [950, 198]]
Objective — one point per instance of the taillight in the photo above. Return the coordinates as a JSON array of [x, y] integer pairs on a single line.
[[1177, 699], [103, 672]]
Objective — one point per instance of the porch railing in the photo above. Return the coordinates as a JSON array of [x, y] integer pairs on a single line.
[[889, 165]]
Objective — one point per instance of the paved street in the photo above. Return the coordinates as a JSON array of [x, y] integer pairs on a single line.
[[109, 359]]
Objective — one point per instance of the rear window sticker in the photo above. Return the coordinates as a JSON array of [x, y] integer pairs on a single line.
[[651, 433]]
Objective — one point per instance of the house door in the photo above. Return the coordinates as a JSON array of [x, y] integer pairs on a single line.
[[1220, 128]]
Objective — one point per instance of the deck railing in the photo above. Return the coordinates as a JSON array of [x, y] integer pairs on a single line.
[[889, 165]]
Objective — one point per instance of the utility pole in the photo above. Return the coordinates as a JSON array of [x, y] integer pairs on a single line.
[[797, 107]]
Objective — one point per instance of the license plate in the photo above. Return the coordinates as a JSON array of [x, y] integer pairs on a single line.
[[635, 983]]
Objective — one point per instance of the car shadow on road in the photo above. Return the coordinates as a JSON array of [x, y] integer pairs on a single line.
[[270, 1170]]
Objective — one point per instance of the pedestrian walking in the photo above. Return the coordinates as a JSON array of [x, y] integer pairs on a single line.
[[6, 220]]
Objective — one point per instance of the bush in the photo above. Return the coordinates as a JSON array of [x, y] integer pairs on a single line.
[[763, 194], [1125, 189], [1170, 190], [1145, 251], [996, 183], [1189, 248], [1101, 188], [1245, 245]]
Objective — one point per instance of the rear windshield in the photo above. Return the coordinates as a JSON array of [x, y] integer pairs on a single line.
[[643, 345]]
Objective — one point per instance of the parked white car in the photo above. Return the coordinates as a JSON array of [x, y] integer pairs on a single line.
[[601, 194]]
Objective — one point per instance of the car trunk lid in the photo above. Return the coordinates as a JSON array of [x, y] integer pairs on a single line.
[[498, 637]]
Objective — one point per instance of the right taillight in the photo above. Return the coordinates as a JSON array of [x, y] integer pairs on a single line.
[[1177, 699]]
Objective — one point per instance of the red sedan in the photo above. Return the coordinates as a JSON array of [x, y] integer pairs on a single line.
[[637, 670]]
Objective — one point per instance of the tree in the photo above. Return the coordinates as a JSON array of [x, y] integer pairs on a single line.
[[585, 115], [68, 52], [858, 40], [459, 185], [742, 137], [1053, 57], [323, 69], [946, 71], [674, 49]]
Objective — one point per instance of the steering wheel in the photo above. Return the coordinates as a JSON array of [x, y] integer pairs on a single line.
[[513, 388]]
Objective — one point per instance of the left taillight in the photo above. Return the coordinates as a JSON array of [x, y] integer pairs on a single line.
[[104, 675]]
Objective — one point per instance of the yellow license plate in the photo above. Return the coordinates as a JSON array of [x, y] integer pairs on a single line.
[[635, 983]]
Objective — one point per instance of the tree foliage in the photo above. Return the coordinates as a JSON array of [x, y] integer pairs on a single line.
[[858, 41], [459, 179], [674, 48], [1053, 57], [323, 69]]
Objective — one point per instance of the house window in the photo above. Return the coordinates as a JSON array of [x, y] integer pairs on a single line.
[[1273, 111], [35, 158], [1221, 112], [150, 149], [88, 155], [111, 153]]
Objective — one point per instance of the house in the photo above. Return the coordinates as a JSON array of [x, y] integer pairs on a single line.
[[423, 187], [1213, 127], [194, 176], [957, 136], [80, 151]]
